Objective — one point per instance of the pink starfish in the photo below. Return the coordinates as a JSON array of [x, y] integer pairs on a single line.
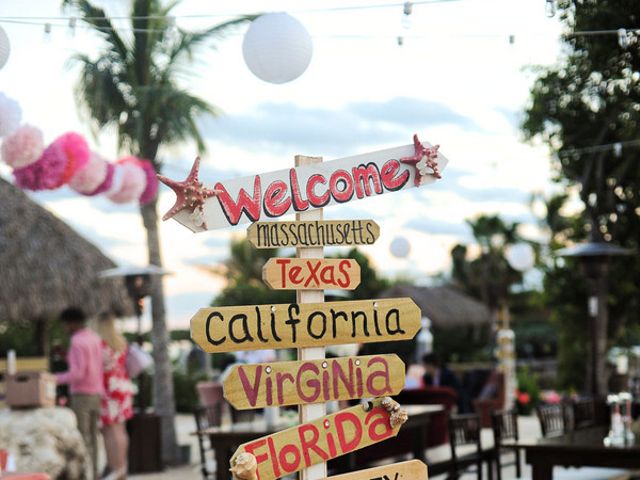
[[429, 154], [190, 194]]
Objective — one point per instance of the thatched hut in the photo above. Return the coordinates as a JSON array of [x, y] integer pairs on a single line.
[[45, 266], [446, 306], [461, 325]]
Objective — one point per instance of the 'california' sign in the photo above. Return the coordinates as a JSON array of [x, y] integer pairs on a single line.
[[272, 195]]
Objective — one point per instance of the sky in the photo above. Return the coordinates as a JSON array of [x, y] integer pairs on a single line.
[[456, 80]]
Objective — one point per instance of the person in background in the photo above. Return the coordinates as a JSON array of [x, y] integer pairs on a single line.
[[85, 378], [116, 404], [438, 375]]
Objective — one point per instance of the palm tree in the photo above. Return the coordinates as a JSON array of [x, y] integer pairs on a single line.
[[131, 86]]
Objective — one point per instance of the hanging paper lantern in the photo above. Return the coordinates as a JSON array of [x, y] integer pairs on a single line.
[[277, 48], [132, 185], [5, 47], [520, 256], [77, 151], [23, 147], [10, 115], [87, 180], [400, 247], [46, 173]]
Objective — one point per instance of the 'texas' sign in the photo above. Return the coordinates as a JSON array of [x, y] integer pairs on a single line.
[[229, 329], [272, 195], [313, 381], [318, 441]]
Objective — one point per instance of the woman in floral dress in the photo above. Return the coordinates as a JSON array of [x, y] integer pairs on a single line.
[[116, 403]]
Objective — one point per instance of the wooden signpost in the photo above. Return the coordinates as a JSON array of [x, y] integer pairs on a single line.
[[318, 441], [313, 381], [411, 470], [311, 273], [313, 233], [300, 325], [310, 324]]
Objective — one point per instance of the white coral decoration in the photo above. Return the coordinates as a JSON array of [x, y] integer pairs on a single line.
[[10, 115]]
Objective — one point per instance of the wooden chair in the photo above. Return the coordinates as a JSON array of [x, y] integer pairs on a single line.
[[584, 413], [505, 427], [464, 431], [568, 416], [207, 417], [551, 420]]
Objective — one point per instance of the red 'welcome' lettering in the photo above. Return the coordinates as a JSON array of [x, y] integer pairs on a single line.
[[250, 205]]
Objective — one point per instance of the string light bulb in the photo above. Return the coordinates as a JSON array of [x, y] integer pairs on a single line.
[[550, 8], [72, 26]]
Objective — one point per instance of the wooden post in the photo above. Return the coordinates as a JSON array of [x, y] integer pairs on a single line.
[[313, 411]]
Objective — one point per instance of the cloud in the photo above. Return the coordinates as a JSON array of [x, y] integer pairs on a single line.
[[286, 126], [439, 227]]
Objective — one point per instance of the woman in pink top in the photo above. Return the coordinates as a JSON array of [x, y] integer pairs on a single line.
[[116, 403]]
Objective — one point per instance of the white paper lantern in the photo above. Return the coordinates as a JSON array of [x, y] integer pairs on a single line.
[[277, 48], [400, 247], [520, 256], [5, 47]]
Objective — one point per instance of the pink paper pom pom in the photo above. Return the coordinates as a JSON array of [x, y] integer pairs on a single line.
[[151, 189], [10, 115], [23, 147], [77, 151], [133, 183], [46, 173], [106, 183], [151, 184], [87, 180]]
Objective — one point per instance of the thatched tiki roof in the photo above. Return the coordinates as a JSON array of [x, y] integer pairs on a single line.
[[445, 306], [45, 266]]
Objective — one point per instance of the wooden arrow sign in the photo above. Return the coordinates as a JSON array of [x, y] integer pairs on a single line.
[[411, 470], [271, 195], [228, 329], [311, 273], [315, 233], [313, 381], [320, 440]]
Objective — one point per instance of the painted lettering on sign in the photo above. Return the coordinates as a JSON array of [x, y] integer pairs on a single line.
[[313, 381], [311, 273], [313, 233], [411, 470], [225, 329], [274, 194], [320, 440]]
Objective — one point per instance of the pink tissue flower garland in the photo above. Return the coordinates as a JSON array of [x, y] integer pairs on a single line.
[[68, 160]]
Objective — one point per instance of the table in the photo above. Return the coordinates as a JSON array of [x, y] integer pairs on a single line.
[[580, 448], [413, 437]]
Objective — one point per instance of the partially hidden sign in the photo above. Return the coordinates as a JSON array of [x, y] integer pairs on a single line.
[[271, 195], [311, 273], [411, 470], [313, 381], [256, 327], [320, 440], [314, 233]]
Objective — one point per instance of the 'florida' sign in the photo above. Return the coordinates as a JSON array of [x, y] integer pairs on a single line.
[[272, 195]]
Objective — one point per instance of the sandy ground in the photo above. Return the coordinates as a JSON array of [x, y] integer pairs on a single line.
[[529, 428]]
